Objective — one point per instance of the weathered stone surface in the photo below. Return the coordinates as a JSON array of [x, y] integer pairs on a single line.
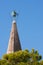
[[14, 42]]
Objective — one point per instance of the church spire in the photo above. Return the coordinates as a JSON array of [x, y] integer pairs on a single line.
[[14, 42]]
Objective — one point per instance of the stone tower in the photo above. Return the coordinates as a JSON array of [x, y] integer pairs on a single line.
[[14, 42]]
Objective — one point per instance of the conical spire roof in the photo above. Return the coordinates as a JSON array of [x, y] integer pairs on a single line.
[[14, 42]]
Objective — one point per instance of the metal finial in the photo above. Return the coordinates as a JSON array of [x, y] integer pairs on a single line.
[[14, 14]]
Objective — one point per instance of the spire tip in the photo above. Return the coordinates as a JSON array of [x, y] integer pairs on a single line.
[[14, 21]]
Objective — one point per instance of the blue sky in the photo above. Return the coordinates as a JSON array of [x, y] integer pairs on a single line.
[[29, 23]]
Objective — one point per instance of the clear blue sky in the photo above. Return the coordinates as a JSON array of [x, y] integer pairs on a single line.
[[29, 23]]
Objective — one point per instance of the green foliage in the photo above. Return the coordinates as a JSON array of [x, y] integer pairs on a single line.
[[4, 62], [41, 62], [35, 55], [22, 58]]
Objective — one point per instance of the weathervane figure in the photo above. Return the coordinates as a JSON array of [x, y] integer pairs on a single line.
[[14, 14]]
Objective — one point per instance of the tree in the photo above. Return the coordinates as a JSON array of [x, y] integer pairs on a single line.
[[22, 58]]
